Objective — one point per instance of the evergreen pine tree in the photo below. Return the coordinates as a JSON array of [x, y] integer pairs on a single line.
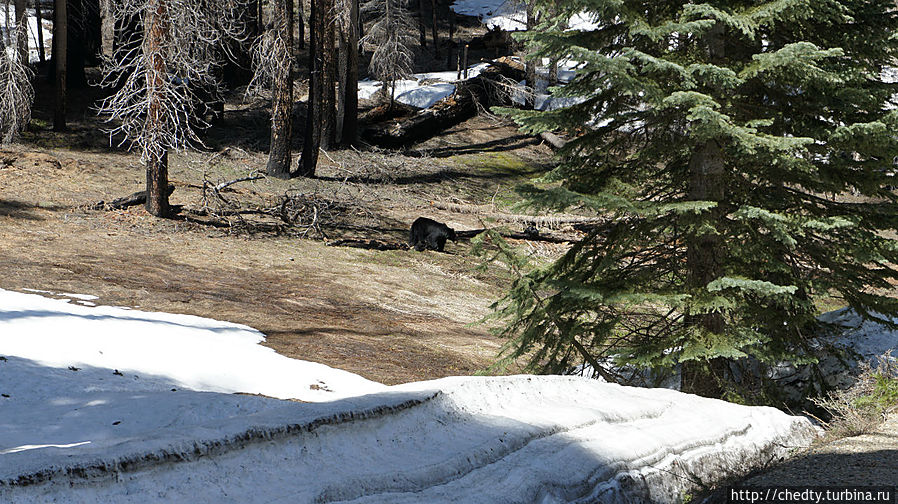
[[741, 151]]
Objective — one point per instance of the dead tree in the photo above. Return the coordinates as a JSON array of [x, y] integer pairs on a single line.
[[349, 131], [41, 54], [312, 139], [390, 35], [470, 96], [328, 77], [155, 108], [16, 93], [273, 68], [22, 35]]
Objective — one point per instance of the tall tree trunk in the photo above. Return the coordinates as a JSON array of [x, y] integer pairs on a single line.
[[22, 31], [704, 253], [530, 64], [422, 29], [342, 58], [107, 28], [312, 137], [282, 94], [301, 26], [351, 91], [8, 21], [329, 79], [450, 15], [157, 31], [434, 28], [60, 47], [41, 53]]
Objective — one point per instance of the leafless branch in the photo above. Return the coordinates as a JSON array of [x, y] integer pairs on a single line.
[[16, 93], [193, 49]]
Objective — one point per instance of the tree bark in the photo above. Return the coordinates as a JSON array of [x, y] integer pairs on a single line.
[[107, 28], [704, 253], [312, 136], [301, 26], [22, 34], [329, 78], [422, 30], [282, 94], [41, 53], [156, 155], [60, 48], [530, 64], [434, 28], [350, 132]]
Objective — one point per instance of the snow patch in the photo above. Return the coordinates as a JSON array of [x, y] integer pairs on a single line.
[[192, 352], [94, 410]]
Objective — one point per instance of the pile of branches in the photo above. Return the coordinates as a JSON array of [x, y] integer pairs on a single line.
[[295, 214]]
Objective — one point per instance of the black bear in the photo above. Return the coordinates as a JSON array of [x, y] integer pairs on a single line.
[[428, 233]]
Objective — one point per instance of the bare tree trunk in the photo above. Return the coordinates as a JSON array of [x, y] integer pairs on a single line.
[[22, 34], [422, 30], [530, 64], [342, 58], [312, 136], [282, 94], [434, 28], [450, 14], [7, 35], [704, 252], [107, 28], [60, 47], [351, 91], [329, 79], [41, 53], [301, 26], [157, 157]]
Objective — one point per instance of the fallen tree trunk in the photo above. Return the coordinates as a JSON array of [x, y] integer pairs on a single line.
[[465, 234], [369, 244], [536, 220], [541, 236], [552, 139], [138, 198], [470, 95]]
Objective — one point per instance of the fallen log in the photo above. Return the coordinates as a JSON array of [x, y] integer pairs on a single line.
[[540, 236], [464, 234], [470, 95], [138, 198], [368, 244], [552, 139], [550, 221]]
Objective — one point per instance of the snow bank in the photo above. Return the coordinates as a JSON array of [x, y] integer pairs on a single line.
[[507, 15], [424, 89], [93, 410], [509, 439], [190, 352]]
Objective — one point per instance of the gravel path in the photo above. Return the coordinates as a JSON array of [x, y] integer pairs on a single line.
[[867, 460], [870, 459]]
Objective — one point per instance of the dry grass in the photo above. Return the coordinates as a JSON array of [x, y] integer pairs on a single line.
[[391, 316], [862, 408]]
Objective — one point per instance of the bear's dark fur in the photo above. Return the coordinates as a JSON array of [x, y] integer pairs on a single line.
[[428, 233]]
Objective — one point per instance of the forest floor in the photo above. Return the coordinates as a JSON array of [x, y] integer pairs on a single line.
[[391, 316]]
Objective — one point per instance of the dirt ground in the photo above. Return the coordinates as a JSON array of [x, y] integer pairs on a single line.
[[391, 316]]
